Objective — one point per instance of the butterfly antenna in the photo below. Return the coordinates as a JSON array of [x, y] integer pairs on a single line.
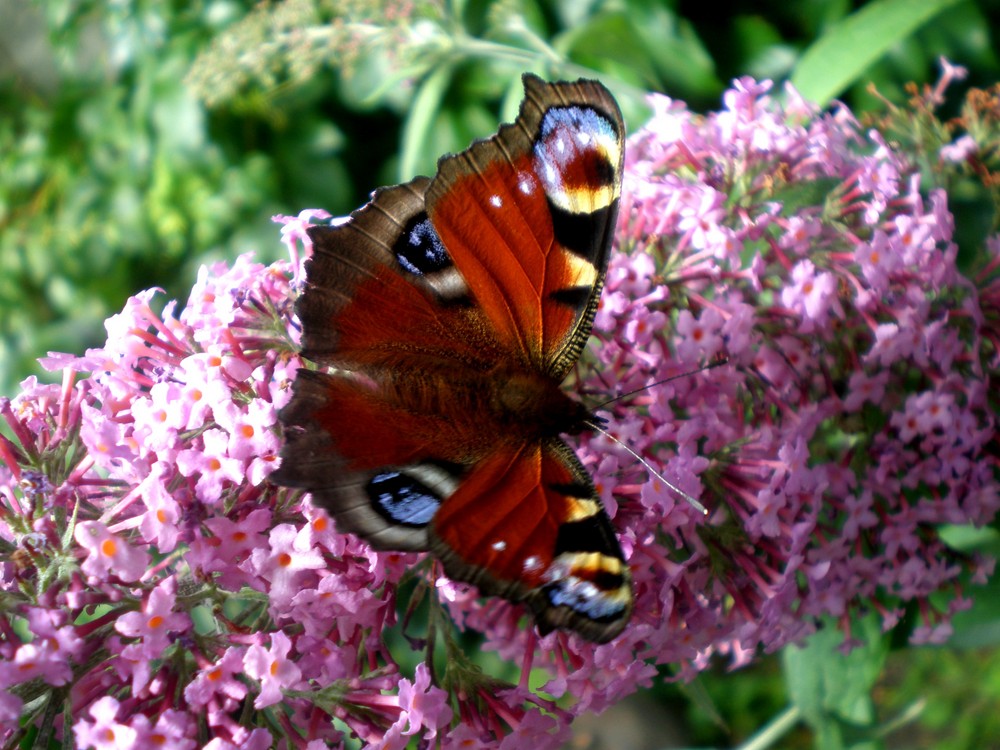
[[622, 396], [693, 502]]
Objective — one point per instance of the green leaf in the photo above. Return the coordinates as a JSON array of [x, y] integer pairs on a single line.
[[422, 115], [794, 198], [979, 626], [839, 57], [832, 690], [646, 43], [608, 36]]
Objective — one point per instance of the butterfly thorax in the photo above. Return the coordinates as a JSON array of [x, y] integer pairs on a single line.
[[539, 404], [501, 405]]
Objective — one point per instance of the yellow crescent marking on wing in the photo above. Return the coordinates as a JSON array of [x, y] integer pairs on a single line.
[[581, 509]]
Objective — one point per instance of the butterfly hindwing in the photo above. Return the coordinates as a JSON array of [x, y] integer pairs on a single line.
[[449, 310], [546, 540], [373, 479]]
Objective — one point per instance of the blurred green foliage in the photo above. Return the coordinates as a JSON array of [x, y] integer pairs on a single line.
[[140, 139]]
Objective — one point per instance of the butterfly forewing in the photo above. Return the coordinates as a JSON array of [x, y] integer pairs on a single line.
[[377, 287], [451, 309], [528, 215]]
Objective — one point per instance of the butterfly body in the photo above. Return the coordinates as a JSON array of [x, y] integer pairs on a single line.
[[449, 311]]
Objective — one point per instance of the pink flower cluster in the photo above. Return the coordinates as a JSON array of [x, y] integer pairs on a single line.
[[154, 581], [852, 418]]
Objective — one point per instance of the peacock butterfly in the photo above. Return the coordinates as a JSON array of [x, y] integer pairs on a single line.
[[449, 310]]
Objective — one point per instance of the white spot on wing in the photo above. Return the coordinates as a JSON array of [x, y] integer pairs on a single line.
[[499, 546], [496, 201], [531, 564], [558, 570]]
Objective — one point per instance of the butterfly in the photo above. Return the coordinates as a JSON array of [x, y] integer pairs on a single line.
[[448, 311]]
